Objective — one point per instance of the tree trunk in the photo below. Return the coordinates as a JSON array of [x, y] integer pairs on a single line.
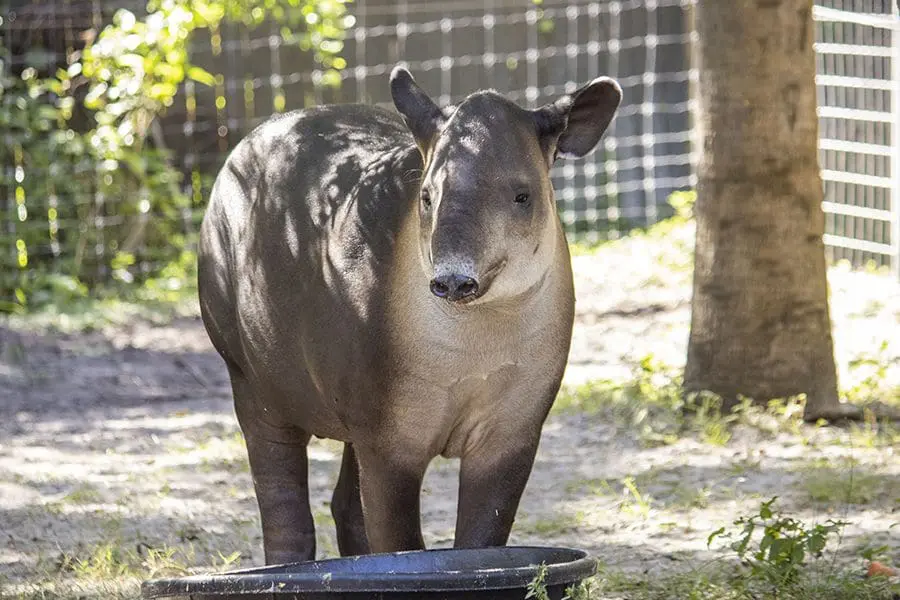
[[760, 324]]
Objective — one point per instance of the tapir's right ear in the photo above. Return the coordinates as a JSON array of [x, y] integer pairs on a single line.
[[423, 117]]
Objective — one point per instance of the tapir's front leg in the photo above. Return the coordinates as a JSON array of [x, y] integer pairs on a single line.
[[390, 481], [492, 475]]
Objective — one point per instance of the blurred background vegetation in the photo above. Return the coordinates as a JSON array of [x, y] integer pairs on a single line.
[[97, 204]]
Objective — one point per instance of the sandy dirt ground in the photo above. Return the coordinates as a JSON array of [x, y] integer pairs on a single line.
[[125, 436]]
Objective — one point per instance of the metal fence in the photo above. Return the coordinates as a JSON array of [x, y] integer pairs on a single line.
[[533, 52], [530, 52], [858, 52]]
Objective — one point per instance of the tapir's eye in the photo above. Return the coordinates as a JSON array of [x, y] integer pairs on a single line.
[[522, 198], [426, 199]]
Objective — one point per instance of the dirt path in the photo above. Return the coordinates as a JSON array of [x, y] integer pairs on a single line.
[[125, 438]]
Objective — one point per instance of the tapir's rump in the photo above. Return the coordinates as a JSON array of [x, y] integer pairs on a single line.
[[399, 282]]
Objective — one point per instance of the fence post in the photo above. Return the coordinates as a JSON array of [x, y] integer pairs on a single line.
[[895, 142]]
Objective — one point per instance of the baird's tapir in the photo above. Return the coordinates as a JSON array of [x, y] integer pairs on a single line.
[[401, 283]]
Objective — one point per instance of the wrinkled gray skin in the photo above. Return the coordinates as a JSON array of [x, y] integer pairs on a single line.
[[402, 285]]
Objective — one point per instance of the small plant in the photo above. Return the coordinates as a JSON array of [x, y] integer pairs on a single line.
[[83, 494], [583, 590], [634, 501], [785, 545], [825, 484], [537, 587], [872, 370]]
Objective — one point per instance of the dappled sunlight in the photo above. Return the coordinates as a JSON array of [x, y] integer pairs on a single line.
[[156, 457], [632, 301], [594, 487]]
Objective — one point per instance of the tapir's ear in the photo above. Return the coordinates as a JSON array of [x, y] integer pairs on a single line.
[[572, 125], [420, 113]]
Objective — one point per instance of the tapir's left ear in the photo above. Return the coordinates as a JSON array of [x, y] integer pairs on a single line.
[[422, 116], [573, 125]]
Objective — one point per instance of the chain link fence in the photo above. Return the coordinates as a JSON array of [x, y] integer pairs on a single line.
[[530, 51]]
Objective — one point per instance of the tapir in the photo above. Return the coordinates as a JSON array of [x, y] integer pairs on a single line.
[[400, 282]]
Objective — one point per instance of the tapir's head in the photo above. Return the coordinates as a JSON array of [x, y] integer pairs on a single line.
[[487, 215]]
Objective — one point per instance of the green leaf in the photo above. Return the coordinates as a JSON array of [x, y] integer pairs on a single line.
[[765, 511], [816, 543], [201, 75], [714, 535], [797, 554]]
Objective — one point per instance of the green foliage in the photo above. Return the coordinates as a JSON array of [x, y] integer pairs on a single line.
[[653, 404], [692, 585], [104, 201], [717, 580], [112, 569], [872, 370], [634, 501], [846, 483], [682, 204], [782, 558], [784, 546], [537, 587], [65, 182]]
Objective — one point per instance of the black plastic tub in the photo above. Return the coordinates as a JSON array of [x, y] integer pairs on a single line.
[[477, 574]]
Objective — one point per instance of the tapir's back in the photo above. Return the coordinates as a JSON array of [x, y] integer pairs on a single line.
[[298, 238]]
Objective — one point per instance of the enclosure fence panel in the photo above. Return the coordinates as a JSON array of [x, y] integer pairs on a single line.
[[858, 65], [68, 213], [531, 53]]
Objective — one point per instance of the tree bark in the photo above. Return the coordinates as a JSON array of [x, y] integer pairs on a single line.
[[760, 324]]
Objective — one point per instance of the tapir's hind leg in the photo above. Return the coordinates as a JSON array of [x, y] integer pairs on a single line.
[[278, 463], [346, 508]]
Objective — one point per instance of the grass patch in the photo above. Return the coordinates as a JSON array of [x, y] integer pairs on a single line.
[[653, 405], [850, 484], [870, 373], [551, 526], [773, 557], [85, 493], [728, 581], [113, 569]]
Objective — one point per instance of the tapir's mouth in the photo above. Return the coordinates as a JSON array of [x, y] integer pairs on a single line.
[[490, 274], [485, 281]]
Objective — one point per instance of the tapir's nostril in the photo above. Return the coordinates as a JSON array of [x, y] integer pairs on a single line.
[[439, 289], [467, 287], [454, 287]]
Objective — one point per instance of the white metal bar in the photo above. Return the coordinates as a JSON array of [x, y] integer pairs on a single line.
[[883, 21], [647, 121], [836, 112], [855, 147], [858, 178], [850, 210], [852, 49], [895, 143], [854, 82], [854, 244]]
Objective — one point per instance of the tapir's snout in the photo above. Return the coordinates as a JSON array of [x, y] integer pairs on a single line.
[[455, 287]]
